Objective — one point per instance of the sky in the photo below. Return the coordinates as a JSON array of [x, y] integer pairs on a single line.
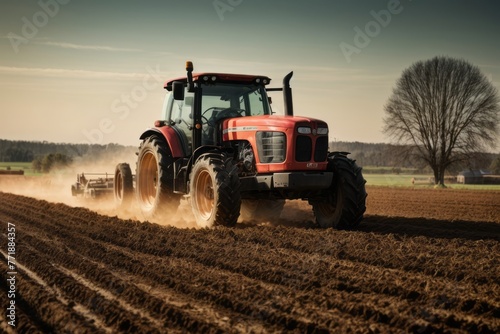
[[92, 71]]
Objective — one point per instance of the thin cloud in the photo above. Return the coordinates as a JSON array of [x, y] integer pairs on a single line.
[[88, 47], [489, 66], [65, 73]]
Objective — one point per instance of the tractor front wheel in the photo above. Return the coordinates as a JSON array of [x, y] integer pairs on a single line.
[[214, 191], [344, 203]]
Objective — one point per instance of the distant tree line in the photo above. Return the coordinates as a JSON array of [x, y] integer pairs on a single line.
[[46, 156], [27, 151], [15, 154], [366, 154], [388, 155]]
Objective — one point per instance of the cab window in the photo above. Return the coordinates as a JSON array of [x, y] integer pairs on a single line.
[[250, 100], [167, 106]]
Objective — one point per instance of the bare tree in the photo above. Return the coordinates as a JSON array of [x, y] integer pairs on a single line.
[[443, 109]]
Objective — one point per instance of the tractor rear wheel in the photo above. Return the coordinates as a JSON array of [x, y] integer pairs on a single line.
[[214, 191], [262, 209], [123, 185], [346, 200], [154, 178]]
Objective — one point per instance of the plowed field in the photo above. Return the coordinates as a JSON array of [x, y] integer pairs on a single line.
[[422, 261]]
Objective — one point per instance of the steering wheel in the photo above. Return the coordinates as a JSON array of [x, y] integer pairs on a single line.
[[230, 112], [204, 118], [224, 113], [218, 114]]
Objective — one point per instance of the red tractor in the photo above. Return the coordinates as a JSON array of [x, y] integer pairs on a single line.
[[219, 143]]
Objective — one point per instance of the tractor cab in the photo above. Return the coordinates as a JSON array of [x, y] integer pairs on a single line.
[[196, 109]]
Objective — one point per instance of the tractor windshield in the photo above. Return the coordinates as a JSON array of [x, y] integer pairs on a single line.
[[242, 100]]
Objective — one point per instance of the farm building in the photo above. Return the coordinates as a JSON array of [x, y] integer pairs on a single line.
[[472, 176]]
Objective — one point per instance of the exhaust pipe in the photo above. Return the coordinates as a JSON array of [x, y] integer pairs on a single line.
[[287, 94]]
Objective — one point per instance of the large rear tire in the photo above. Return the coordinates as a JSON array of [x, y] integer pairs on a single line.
[[154, 179], [123, 185], [346, 199], [262, 209], [215, 191]]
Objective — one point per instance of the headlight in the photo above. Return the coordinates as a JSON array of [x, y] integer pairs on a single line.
[[322, 131], [207, 78], [304, 130]]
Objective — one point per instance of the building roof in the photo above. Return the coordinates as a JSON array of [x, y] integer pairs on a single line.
[[474, 172]]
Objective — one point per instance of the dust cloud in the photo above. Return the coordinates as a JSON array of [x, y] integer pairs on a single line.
[[56, 187]]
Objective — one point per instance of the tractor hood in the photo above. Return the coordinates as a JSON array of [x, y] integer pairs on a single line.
[[281, 143], [269, 123]]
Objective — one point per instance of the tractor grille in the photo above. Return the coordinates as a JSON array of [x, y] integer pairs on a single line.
[[271, 146], [304, 148], [321, 149]]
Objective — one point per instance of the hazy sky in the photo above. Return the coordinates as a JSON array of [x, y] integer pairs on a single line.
[[92, 71]]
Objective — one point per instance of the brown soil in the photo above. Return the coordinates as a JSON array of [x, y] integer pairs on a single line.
[[422, 261]]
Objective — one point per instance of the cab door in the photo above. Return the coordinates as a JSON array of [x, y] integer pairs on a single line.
[[182, 120]]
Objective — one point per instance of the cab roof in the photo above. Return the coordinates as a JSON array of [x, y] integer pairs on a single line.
[[221, 77]]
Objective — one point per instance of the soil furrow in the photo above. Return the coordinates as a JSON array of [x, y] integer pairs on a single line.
[[416, 272]]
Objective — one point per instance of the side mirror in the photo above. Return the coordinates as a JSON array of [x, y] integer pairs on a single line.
[[178, 89]]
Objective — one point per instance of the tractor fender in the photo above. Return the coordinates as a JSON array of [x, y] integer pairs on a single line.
[[170, 136], [205, 149]]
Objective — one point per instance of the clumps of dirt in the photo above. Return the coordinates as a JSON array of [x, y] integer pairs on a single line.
[[442, 204], [116, 275]]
